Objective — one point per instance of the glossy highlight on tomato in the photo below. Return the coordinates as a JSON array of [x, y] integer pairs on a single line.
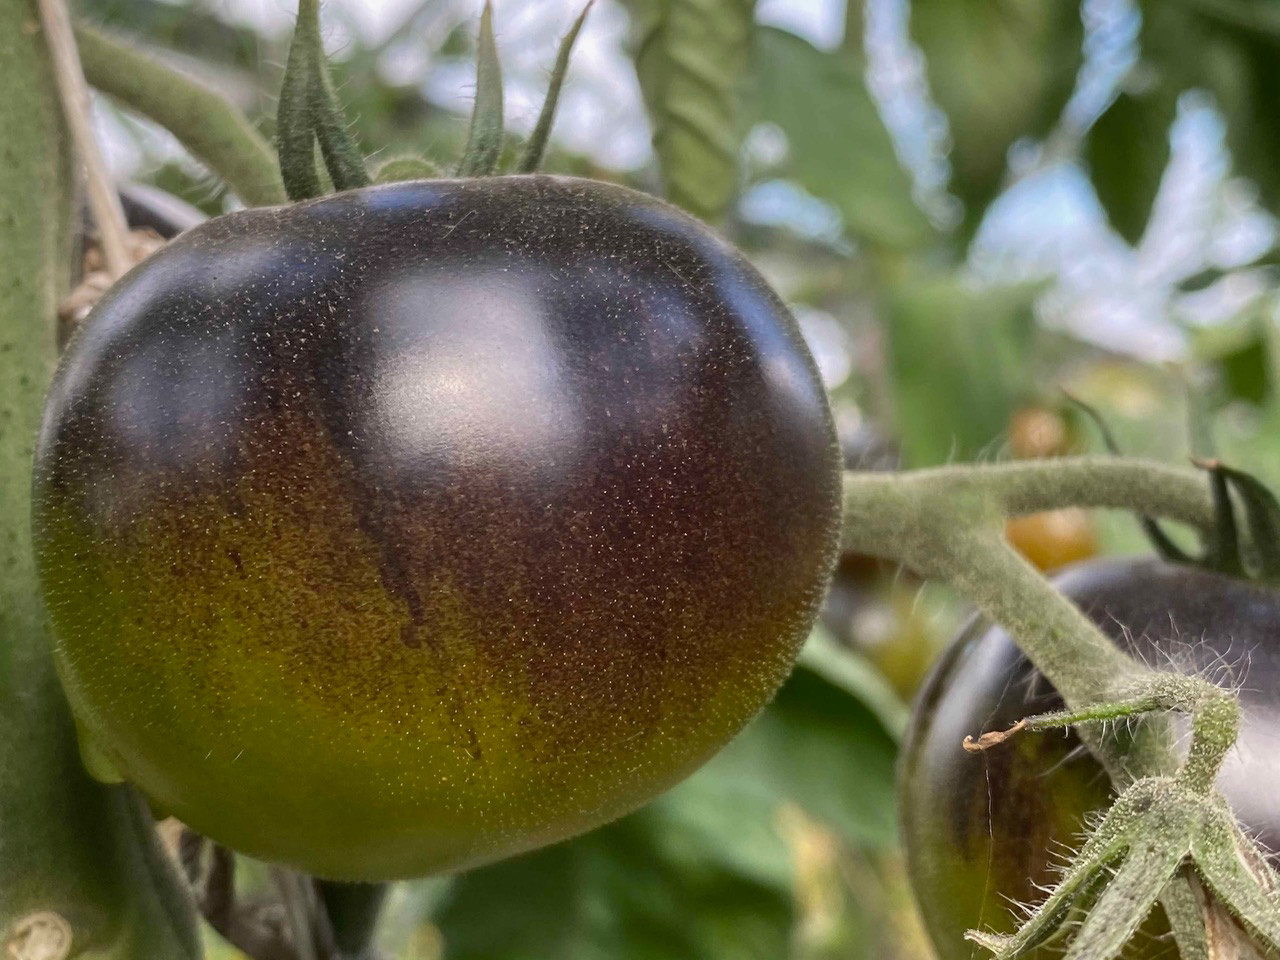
[[419, 525], [983, 830]]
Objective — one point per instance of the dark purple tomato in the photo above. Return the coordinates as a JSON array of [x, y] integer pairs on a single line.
[[982, 828], [416, 526]]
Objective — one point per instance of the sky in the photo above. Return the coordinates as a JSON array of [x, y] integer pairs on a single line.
[[1047, 223]]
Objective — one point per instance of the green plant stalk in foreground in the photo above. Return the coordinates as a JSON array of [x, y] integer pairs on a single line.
[[216, 133], [81, 870]]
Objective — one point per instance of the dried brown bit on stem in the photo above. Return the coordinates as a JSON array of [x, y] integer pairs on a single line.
[[992, 738], [40, 936]]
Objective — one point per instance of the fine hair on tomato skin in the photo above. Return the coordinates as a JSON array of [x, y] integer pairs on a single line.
[[510, 500]]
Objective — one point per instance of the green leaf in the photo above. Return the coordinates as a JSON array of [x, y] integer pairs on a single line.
[[691, 57], [77, 858], [1000, 70], [1241, 352], [839, 150], [1127, 152], [651, 887], [826, 751], [857, 676], [959, 358], [1230, 48]]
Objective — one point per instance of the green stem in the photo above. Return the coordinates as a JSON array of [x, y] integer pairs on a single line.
[[1030, 486], [484, 141], [947, 525], [531, 157], [206, 123], [342, 156], [69, 846], [295, 126]]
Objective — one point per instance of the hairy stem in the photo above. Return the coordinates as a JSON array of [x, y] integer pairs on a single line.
[[295, 124], [341, 153], [531, 157], [206, 123], [1030, 486], [76, 857], [946, 524]]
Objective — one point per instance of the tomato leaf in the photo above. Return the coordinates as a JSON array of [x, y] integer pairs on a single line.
[[690, 57], [653, 885], [1127, 151], [959, 358], [1000, 70], [1233, 52], [839, 149]]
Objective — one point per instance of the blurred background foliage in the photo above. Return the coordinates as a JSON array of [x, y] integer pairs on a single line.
[[972, 206]]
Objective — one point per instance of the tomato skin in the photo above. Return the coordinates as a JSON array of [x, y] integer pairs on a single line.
[[420, 525], [982, 827]]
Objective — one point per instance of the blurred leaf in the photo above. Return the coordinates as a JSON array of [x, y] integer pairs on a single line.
[[1247, 88], [840, 150], [856, 675], [691, 57], [1231, 49], [1127, 151], [960, 359], [1000, 70], [647, 888], [826, 751], [1241, 353]]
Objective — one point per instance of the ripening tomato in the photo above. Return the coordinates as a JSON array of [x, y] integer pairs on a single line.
[[419, 525], [985, 831]]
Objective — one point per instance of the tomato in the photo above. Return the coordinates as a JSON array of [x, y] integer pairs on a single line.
[[412, 527], [1039, 431], [981, 828], [1055, 538]]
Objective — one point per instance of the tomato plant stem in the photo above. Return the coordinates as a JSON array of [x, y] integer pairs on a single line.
[[1030, 486], [77, 859], [946, 524], [207, 124]]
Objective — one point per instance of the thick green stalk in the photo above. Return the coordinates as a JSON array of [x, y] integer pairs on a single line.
[[77, 859], [205, 122], [946, 524]]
